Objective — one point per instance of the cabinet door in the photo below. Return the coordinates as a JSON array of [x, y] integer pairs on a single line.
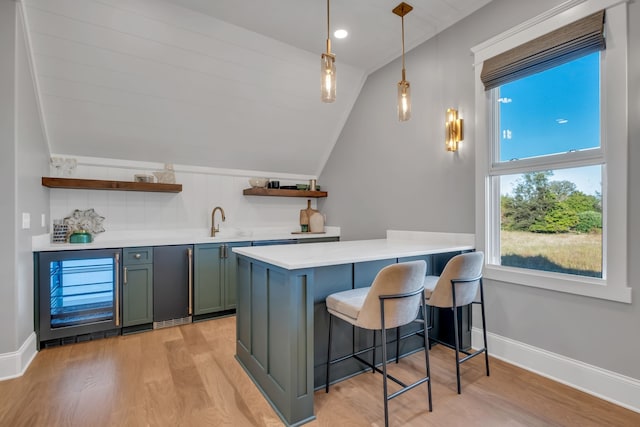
[[171, 282], [231, 274], [208, 292], [137, 294]]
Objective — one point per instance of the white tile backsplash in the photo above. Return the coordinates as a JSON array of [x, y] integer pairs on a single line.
[[201, 192]]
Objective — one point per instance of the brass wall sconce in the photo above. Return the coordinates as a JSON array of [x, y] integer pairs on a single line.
[[454, 130]]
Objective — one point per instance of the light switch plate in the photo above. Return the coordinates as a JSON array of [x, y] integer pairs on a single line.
[[26, 220], [43, 220]]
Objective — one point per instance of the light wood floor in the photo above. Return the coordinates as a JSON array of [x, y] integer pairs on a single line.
[[187, 376]]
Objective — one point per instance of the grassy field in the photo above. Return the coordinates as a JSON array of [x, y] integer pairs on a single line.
[[565, 253]]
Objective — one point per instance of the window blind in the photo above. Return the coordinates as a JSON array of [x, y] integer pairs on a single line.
[[552, 49]]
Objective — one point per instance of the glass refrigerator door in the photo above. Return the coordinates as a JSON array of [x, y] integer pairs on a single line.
[[78, 292]]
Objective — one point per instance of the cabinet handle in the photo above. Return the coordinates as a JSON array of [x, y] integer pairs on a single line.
[[225, 251], [221, 251], [190, 284], [117, 280], [137, 256], [124, 278]]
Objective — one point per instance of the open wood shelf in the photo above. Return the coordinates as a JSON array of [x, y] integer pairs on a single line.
[[279, 192], [99, 184]]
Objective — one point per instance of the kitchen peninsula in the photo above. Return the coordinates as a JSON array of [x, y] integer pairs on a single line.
[[282, 323]]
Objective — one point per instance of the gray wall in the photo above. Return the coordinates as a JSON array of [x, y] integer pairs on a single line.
[[32, 160], [384, 174], [23, 160], [388, 175], [8, 220]]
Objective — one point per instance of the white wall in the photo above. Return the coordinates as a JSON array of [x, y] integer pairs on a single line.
[[154, 81], [383, 174], [202, 190]]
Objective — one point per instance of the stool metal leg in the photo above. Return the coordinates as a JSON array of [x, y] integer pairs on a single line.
[[426, 354], [398, 344], [484, 328], [326, 387], [455, 332], [384, 364], [373, 356], [432, 321]]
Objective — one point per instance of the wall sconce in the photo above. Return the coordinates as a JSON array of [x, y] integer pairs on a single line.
[[454, 131]]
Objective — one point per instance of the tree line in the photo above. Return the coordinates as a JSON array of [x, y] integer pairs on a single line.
[[542, 206]]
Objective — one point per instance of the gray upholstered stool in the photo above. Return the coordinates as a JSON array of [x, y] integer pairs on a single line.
[[459, 285], [393, 300]]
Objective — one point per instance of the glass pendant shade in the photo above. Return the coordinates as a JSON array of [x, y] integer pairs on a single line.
[[328, 78], [404, 101], [404, 89]]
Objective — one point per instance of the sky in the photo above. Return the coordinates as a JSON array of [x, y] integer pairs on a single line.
[[554, 111]]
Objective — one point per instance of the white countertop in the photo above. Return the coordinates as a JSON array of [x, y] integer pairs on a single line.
[[135, 238], [397, 244]]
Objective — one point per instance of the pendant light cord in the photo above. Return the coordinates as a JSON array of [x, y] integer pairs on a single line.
[[403, 71], [328, 30]]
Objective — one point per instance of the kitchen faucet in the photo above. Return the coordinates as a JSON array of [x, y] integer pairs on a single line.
[[215, 229]]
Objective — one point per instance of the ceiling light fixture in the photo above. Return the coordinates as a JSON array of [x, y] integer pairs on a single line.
[[328, 70], [340, 34], [404, 89]]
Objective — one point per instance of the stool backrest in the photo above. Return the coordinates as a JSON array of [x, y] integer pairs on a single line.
[[395, 279], [460, 267]]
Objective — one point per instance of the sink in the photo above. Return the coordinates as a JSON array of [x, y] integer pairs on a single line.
[[231, 233]]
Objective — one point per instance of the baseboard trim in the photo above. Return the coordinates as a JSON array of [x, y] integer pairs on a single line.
[[14, 364], [607, 385]]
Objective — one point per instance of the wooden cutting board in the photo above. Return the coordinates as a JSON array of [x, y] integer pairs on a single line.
[[305, 214]]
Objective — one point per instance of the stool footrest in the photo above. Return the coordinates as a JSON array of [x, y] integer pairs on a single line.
[[355, 356], [470, 355], [407, 387]]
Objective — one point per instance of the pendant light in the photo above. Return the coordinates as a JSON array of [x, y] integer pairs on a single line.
[[328, 70], [404, 88]]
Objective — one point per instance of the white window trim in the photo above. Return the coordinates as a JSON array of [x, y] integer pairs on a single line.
[[614, 147]]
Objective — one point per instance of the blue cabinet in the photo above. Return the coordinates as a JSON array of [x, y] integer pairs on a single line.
[[172, 283], [215, 280], [137, 286]]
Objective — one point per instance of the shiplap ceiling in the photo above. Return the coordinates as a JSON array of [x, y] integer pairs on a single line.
[[224, 83]]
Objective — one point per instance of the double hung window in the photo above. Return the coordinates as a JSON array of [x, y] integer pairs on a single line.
[[551, 154]]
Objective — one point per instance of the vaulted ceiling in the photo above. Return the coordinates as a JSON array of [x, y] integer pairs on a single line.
[[224, 83]]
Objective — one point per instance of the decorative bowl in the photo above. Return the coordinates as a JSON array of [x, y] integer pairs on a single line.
[[302, 186], [258, 182]]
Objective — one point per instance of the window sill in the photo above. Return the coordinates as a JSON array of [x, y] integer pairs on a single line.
[[577, 285]]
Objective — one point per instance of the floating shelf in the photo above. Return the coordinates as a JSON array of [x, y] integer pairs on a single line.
[[98, 184], [279, 192]]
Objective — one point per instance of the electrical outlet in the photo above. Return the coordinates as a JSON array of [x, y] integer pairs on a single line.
[[26, 220], [43, 220]]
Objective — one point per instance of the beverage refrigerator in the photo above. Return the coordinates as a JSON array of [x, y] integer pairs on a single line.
[[77, 295]]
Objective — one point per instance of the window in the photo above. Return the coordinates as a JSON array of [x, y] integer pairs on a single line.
[[550, 217], [552, 143]]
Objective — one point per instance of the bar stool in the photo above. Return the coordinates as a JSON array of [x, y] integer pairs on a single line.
[[457, 286], [392, 300]]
